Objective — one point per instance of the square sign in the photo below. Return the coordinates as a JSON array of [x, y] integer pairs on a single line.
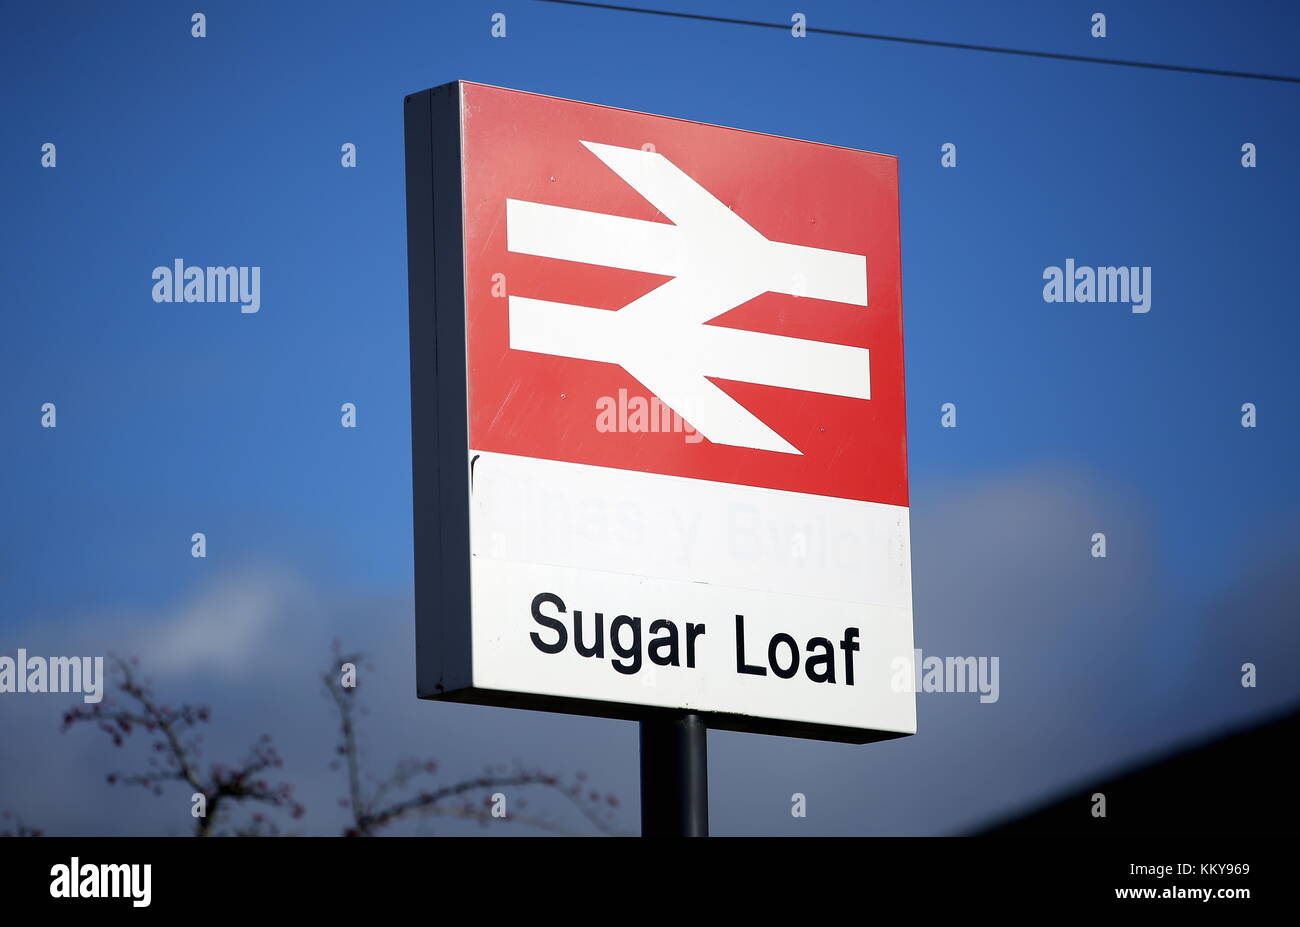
[[658, 431]]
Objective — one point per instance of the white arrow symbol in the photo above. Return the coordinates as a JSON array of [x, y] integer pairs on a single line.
[[717, 262]]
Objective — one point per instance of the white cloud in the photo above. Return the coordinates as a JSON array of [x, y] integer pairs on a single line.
[[229, 627]]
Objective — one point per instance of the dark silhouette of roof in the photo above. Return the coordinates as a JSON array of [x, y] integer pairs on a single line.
[[1242, 782]]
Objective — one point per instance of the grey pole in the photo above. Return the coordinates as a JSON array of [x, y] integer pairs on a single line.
[[675, 777]]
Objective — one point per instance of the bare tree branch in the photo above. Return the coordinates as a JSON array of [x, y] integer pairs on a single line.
[[14, 826], [176, 752], [175, 758], [375, 813]]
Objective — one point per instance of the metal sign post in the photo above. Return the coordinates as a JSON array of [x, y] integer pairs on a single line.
[[675, 777]]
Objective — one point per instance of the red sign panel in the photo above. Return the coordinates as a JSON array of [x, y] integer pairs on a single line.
[[640, 267]]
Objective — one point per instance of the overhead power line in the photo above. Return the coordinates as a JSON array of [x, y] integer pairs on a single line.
[[700, 17]]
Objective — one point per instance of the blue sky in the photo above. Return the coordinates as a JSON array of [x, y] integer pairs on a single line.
[[1073, 418]]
